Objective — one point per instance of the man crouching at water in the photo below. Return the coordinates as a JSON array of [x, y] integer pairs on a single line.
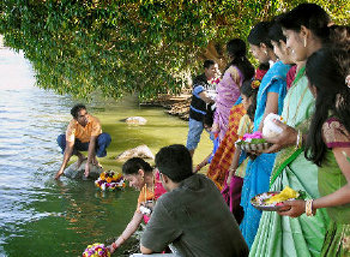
[[83, 133], [192, 214]]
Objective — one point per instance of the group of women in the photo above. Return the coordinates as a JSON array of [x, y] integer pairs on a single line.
[[308, 84], [304, 76]]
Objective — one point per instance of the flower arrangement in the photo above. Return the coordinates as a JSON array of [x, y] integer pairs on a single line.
[[96, 250], [215, 81], [252, 142], [254, 138], [110, 180]]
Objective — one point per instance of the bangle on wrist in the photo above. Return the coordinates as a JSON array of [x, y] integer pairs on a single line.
[[232, 169], [299, 140], [308, 207], [114, 246]]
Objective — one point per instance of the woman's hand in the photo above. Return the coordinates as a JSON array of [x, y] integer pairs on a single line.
[[112, 247], [215, 128], [292, 209], [287, 138], [254, 153]]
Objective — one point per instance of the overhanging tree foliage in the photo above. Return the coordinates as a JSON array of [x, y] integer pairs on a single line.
[[126, 46]]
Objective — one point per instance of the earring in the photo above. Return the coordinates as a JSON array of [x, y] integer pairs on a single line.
[[305, 42], [347, 81]]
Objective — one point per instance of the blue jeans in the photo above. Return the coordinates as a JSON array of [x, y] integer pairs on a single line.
[[102, 142], [194, 133]]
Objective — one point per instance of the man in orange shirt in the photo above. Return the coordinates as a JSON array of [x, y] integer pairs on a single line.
[[84, 133]]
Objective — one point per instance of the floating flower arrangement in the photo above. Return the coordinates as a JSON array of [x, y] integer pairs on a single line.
[[110, 180], [96, 250]]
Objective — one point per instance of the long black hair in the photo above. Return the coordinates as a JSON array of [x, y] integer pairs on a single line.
[[237, 51], [312, 16], [275, 30], [326, 70], [260, 34], [132, 166], [340, 36], [250, 91]]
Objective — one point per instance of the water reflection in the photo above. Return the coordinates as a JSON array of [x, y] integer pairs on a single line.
[[43, 217]]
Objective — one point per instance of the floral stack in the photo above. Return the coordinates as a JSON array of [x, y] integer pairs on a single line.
[[252, 142], [110, 180], [96, 250]]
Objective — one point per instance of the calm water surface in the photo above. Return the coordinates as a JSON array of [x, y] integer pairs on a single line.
[[43, 217]]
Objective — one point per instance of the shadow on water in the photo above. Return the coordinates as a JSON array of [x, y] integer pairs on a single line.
[[40, 216]]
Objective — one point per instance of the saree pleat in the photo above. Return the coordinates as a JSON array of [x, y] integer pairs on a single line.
[[256, 180], [223, 156], [284, 236]]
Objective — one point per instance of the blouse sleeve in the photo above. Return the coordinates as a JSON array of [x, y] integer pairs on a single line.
[[235, 74], [275, 86], [335, 134]]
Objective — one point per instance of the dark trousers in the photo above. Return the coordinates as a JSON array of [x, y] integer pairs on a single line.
[[102, 142]]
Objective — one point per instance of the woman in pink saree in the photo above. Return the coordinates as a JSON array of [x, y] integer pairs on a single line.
[[238, 70]]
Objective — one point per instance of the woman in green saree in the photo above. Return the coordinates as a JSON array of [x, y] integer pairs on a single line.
[[328, 145], [306, 30]]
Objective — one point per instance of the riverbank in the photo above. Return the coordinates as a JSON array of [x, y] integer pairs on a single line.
[[178, 106]]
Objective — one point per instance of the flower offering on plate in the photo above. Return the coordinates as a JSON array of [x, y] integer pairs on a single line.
[[96, 250], [272, 201], [110, 180], [252, 142]]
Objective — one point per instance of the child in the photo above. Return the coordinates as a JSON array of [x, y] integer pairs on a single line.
[[249, 91], [234, 178]]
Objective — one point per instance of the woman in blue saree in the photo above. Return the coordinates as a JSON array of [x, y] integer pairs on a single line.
[[270, 98]]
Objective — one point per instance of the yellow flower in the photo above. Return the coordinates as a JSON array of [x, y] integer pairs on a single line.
[[255, 84]]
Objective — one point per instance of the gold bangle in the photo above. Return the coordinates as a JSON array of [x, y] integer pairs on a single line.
[[308, 207], [298, 140]]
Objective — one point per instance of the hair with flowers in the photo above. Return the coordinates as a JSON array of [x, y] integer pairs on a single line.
[[255, 84]]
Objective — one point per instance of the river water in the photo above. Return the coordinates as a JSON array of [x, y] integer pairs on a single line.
[[43, 217]]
